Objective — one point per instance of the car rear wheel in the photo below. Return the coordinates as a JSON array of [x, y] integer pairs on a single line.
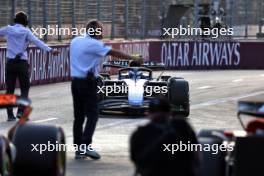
[[100, 95], [5, 158], [212, 162], [49, 158], [178, 94]]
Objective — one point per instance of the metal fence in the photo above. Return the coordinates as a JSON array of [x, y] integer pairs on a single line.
[[121, 18], [246, 17], [132, 18]]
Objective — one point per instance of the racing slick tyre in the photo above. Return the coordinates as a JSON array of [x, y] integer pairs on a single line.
[[47, 157], [212, 163], [100, 95], [5, 158], [178, 94]]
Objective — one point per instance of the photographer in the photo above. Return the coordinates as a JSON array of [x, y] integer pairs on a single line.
[[18, 38], [147, 150], [86, 54]]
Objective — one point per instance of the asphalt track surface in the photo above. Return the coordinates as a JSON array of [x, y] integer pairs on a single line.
[[213, 105]]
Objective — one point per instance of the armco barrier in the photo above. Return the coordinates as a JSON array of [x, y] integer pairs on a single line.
[[45, 68]]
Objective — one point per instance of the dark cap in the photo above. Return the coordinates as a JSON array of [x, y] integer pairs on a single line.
[[21, 18], [94, 24]]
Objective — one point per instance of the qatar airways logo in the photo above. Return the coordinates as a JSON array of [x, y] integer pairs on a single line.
[[201, 54]]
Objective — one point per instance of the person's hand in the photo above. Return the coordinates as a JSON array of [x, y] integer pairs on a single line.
[[55, 52]]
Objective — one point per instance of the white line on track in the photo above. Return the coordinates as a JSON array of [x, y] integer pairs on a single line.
[[237, 80], [45, 120], [193, 107], [132, 122], [224, 100], [204, 87], [114, 124]]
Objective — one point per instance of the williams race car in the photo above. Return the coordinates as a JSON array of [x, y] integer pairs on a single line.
[[131, 90], [17, 155], [246, 156]]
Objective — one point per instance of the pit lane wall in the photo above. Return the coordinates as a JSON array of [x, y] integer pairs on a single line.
[[45, 68]]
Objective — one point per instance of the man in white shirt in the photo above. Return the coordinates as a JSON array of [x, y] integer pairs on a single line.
[[18, 38], [86, 54]]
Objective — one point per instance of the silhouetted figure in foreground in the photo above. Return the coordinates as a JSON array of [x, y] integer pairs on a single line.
[[147, 144]]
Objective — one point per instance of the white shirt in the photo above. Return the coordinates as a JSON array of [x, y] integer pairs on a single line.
[[18, 38], [86, 54]]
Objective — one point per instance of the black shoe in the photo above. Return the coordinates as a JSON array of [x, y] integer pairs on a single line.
[[11, 118], [19, 115], [92, 154], [79, 155]]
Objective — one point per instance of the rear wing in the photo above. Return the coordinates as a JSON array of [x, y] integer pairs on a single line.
[[125, 64], [116, 64], [7, 100], [252, 108], [154, 65]]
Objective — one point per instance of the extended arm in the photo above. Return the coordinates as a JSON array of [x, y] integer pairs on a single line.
[[3, 31], [41, 44], [38, 42], [121, 55]]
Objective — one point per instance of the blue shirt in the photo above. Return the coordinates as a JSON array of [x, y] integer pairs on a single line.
[[86, 54], [18, 38]]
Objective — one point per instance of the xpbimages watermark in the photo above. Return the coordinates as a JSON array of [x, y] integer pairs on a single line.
[[123, 89], [191, 31], [189, 147], [55, 30], [58, 147]]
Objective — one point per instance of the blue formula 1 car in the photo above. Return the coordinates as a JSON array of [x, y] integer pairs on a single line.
[[130, 91]]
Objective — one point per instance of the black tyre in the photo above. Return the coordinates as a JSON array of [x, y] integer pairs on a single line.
[[5, 158], [212, 163], [178, 94], [100, 95], [30, 161], [165, 78]]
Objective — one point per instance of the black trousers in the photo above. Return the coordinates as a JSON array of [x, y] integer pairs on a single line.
[[17, 69], [85, 106]]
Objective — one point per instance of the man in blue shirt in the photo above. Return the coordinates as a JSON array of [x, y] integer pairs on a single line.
[[18, 38], [86, 54]]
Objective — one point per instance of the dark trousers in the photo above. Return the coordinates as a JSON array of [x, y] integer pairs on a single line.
[[17, 69], [84, 105]]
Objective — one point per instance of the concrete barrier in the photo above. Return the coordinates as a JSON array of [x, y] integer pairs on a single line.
[[208, 55], [45, 68]]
